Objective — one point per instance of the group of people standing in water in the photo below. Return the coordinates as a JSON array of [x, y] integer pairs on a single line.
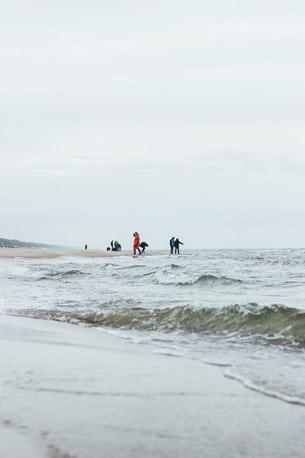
[[174, 244], [139, 246]]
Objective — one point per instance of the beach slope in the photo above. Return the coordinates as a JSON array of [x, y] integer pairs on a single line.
[[69, 391]]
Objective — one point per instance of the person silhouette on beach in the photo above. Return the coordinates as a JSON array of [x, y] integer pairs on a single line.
[[143, 245], [117, 246], [176, 245], [136, 243], [172, 245]]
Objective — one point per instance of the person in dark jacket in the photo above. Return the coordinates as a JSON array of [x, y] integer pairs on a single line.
[[176, 244], [143, 245], [172, 244]]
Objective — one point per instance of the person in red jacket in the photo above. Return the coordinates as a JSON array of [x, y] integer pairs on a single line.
[[136, 243]]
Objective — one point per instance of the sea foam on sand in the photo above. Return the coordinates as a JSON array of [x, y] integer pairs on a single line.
[[70, 391]]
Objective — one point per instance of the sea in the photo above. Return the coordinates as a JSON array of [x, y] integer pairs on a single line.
[[242, 310]]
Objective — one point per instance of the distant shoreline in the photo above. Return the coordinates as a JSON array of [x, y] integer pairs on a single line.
[[55, 253]]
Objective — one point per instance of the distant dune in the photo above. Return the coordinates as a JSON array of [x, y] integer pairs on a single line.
[[9, 243]]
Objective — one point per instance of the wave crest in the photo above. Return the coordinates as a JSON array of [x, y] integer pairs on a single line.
[[276, 323], [65, 274], [204, 279]]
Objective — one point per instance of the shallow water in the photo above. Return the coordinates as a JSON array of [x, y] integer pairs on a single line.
[[241, 309]]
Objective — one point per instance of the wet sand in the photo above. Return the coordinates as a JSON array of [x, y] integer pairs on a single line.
[[52, 253], [69, 391]]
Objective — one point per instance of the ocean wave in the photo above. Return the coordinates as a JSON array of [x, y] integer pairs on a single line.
[[276, 324], [212, 278], [64, 274], [203, 279]]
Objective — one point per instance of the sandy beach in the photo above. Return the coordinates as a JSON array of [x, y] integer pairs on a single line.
[[52, 253], [70, 391]]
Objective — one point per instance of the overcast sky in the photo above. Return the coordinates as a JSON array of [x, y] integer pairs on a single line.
[[170, 118]]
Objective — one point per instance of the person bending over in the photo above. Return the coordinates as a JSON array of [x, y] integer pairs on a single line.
[[143, 245]]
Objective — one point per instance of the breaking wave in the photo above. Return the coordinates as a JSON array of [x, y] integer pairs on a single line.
[[276, 323], [59, 275], [203, 279]]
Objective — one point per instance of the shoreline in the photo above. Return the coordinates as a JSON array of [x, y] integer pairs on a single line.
[[55, 253], [79, 392]]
